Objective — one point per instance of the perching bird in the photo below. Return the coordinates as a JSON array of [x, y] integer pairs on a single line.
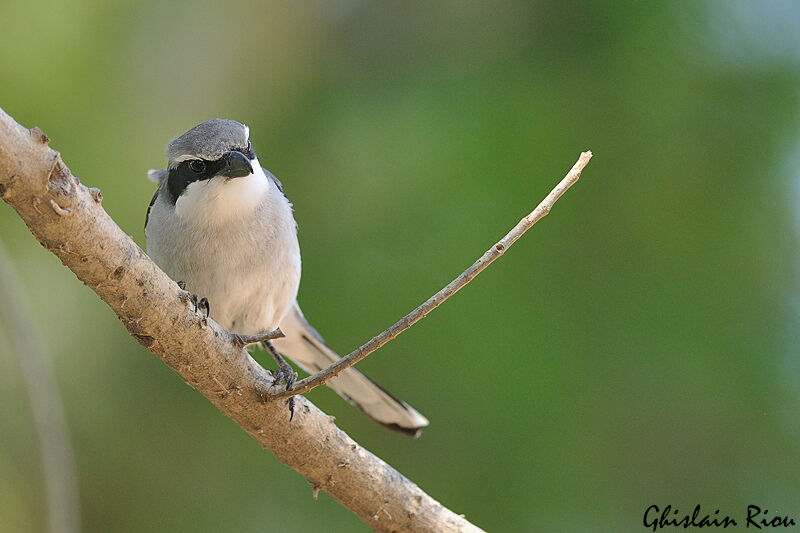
[[222, 225]]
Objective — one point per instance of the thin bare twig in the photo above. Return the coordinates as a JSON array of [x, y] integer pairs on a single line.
[[244, 340], [454, 286], [58, 463]]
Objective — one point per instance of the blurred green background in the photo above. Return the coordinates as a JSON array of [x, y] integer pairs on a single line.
[[638, 346]]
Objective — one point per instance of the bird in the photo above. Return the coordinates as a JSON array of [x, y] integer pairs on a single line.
[[221, 226]]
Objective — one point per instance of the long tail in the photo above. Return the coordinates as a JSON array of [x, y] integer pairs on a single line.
[[304, 346]]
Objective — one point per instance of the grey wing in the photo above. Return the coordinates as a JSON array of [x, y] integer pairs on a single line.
[[149, 207], [274, 179], [303, 345]]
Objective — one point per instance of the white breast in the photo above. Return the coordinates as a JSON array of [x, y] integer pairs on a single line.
[[223, 198], [233, 241]]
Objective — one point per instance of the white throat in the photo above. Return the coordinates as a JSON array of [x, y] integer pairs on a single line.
[[220, 199]]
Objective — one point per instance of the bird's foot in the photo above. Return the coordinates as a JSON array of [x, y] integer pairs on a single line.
[[200, 305], [285, 374]]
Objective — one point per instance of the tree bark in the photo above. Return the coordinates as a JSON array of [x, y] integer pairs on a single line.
[[67, 218]]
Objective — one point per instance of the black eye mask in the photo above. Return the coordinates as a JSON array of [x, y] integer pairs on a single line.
[[193, 170]]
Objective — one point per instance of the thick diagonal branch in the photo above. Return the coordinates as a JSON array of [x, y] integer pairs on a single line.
[[67, 219], [450, 289]]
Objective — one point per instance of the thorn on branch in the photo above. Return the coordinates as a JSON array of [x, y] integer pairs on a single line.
[[39, 135], [97, 196]]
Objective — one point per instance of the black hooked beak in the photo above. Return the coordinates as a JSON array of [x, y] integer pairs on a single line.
[[236, 165]]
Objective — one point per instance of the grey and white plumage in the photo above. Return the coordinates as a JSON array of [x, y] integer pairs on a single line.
[[222, 224]]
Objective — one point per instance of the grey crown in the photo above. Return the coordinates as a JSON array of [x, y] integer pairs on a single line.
[[209, 140]]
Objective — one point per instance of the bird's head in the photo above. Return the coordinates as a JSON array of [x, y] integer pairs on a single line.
[[213, 172]]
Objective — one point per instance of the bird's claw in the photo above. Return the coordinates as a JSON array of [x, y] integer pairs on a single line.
[[291, 408], [286, 374], [201, 305], [204, 305]]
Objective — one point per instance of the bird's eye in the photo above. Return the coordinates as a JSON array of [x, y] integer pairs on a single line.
[[197, 166]]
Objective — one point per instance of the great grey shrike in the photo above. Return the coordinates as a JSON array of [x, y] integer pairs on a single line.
[[222, 225]]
